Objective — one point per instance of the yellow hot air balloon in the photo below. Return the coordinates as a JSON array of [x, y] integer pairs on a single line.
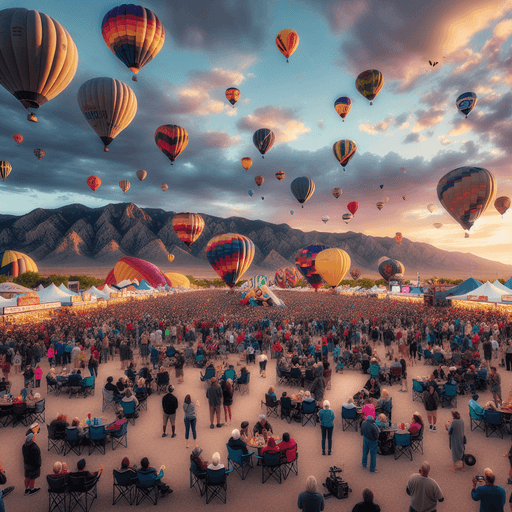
[[125, 185], [141, 175], [170, 257], [332, 265], [369, 83], [246, 162], [38, 58], [5, 169], [108, 105], [178, 279], [164, 186], [287, 42], [431, 207]]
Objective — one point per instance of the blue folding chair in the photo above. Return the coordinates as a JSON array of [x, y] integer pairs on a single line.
[[308, 413], [97, 438], [476, 416], [403, 445], [73, 442], [493, 424], [120, 437], [197, 478], [449, 396], [417, 390], [129, 411], [240, 462], [216, 484], [349, 419], [124, 486]]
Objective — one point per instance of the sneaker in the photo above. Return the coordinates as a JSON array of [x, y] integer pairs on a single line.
[[34, 491], [8, 491], [509, 481], [323, 452], [434, 429], [164, 434], [430, 427], [174, 435], [374, 471], [27, 491], [212, 426], [329, 453], [219, 425]]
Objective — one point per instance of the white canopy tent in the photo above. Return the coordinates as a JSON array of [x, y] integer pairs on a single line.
[[502, 287], [98, 293], [63, 288], [485, 293], [53, 294]]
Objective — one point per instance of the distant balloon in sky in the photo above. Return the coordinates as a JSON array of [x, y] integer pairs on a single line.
[[355, 274], [437, 225], [352, 207], [466, 192], [5, 169], [164, 186], [466, 102], [431, 207], [403, 169], [325, 219], [171, 140], [125, 185], [404, 197], [343, 151], [291, 212], [302, 188], [347, 217], [342, 106], [502, 204], [398, 237], [17, 138], [251, 193], [246, 162], [380, 205], [369, 83], [134, 34], [259, 180], [466, 235], [263, 139], [94, 183], [385, 199], [232, 95], [280, 175], [287, 41], [39, 153], [381, 186], [170, 257], [141, 175], [336, 192], [188, 227]]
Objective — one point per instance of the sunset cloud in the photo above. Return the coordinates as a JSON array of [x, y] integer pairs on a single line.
[[444, 140], [460, 128], [427, 119]]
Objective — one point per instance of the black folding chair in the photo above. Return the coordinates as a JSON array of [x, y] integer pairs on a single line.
[[216, 484], [308, 413], [20, 414], [38, 414], [58, 497], [493, 424], [271, 405], [290, 461], [55, 441], [270, 466], [108, 401], [286, 408], [124, 486], [6, 415], [417, 441], [82, 492], [197, 478]]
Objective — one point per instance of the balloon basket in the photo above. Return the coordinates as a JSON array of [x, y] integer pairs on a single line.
[[134, 78], [105, 149]]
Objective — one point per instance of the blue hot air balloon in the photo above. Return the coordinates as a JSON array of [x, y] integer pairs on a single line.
[[251, 192]]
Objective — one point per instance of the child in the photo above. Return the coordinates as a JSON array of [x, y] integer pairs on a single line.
[[39, 375], [17, 363]]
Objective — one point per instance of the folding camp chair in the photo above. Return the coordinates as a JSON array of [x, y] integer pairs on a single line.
[[108, 401], [449, 397], [387, 409], [243, 387], [97, 438], [417, 441], [240, 462], [57, 494], [124, 486], [295, 377], [88, 386], [129, 411], [162, 381], [308, 413], [82, 492], [271, 405], [38, 415], [197, 478], [216, 484], [52, 386], [417, 390], [55, 442], [270, 466], [20, 414], [403, 445], [146, 487], [350, 419], [120, 437], [290, 462], [493, 424], [73, 442], [476, 416], [286, 408]]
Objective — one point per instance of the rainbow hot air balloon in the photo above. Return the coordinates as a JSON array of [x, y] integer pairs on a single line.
[[170, 257], [347, 217], [391, 268], [134, 34], [141, 174], [466, 192], [5, 169], [342, 106], [437, 225], [466, 102], [431, 207], [502, 204], [355, 273], [287, 277], [287, 41], [332, 265], [398, 237], [352, 207], [336, 192], [129, 268], [325, 219], [232, 95], [39, 153], [380, 205], [124, 185], [171, 140], [94, 183], [14, 263], [280, 175], [246, 162], [305, 262], [188, 227], [369, 83], [263, 139], [164, 187], [302, 188], [18, 138], [259, 180], [230, 255], [343, 151], [108, 105], [38, 58]]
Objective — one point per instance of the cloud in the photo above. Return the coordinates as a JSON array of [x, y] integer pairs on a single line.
[[444, 140], [460, 128], [435, 98], [283, 122], [374, 129], [414, 137], [427, 118]]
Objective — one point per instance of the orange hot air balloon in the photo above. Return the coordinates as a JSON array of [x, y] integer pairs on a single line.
[[287, 42], [246, 162], [18, 138], [280, 175], [336, 192], [398, 237], [380, 205], [164, 186], [188, 227], [125, 185], [352, 207], [502, 204], [170, 257], [259, 180], [232, 95], [94, 183], [141, 175], [171, 140]]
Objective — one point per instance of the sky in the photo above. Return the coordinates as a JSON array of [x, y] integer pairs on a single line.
[[215, 44]]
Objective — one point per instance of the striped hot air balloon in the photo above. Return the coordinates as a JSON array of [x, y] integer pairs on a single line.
[[5, 169], [287, 41], [343, 151], [14, 263], [287, 277], [263, 139], [280, 175], [302, 188], [124, 185], [369, 83], [188, 227], [305, 262], [129, 268], [171, 140]]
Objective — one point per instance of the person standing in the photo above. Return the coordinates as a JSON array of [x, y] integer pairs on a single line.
[[169, 405], [227, 396], [214, 395], [456, 437], [495, 384], [32, 463], [4, 492], [326, 416], [263, 364], [310, 500], [508, 355], [370, 433], [424, 491], [431, 401], [492, 497], [189, 409]]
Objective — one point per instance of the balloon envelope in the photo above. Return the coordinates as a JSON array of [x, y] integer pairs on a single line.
[[39, 153], [287, 277], [14, 263], [343, 151], [369, 83], [342, 106], [129, 268], [380, 205], [171, 140], [178, 279], [94, 182], [164, 186], [170, 257], [431, 207], [246, 162], [232, 95], [389, 268], [347, 217], [259, 180], [17, 138], [336, 192], [332, 265], [280, 175], [263, 139], [352, 207], [5, 169], [325, 219], [502, 204], [141, 175], [302, 188], [125, 185], [437, 225], [466, 102], [287, 41], [398, 237], [305, 262], [188, 227], [355, 273], [385, 199]]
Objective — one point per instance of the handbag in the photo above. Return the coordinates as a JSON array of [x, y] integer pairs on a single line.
[[465, 440]]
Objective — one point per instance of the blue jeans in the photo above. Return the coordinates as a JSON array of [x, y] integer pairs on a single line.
[[2, 506], [190, 424], [326, 431], [370, 446]]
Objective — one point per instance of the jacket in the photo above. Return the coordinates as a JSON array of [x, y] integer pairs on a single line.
[[369, 429], [169, 403]]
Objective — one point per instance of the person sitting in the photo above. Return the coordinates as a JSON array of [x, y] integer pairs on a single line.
[[368, 409], [130, 372], [125, 466], [373, 388], [75, 423], [128, 397], [383, 400], [122, 385], [490, 406], [285, 445], [308, 398], [236, 442], [109, 386], [145, 469], [140, 388], [416, 424], [271, 394], [59, 425], [262, 426], [89, 477], [195, 456], [349, 404], [360, 397], [271, 446], [367, 505], [60, 469], [243, 376], [382, 421], [245, 436], [215, 464], [262, 299]]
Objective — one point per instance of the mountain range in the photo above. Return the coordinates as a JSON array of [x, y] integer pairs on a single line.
[[78, 239]]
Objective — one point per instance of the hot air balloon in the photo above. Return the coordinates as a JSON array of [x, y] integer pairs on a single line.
[[280, 175], [437, 225], [287, 42], [188, 227], [385, 199], [250, 193], [325, 219], [14, 263], [502, 204], [332, 265], [355, 274], [291, 212], [108, 105], [466, 192], [129, 268], [466, 235], [352, 207], [39, 153], [287, 277], [178, 279], [383, 258], [141, 175], [431, 207], [171, 140], [18, 138], [381, 186], [259, 180], [5, 169], [263, 139], [347, 217], [398, 237], [342, 106], [466, 102], [262, 198], [380, 205], [38, 58], [170, 257], [232, 95], [305, 262], [230, 255], [343, 151], [302, 188], [134, 34], [246, 162], [164, 186], [404, 197], [125, 185], [403, 169], [336, 192], [390, 268], [94, 183], [369, 83]]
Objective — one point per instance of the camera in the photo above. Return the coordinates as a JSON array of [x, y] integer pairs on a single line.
[[480, 479], [335, 484]]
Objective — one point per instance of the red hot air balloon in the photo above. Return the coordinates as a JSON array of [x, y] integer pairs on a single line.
[[355, 273], [94, 183], [259, 180], [188, 227], [18, 138], [352, 207]]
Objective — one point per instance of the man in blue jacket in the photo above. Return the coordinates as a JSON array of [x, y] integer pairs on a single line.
[[370, 433]]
